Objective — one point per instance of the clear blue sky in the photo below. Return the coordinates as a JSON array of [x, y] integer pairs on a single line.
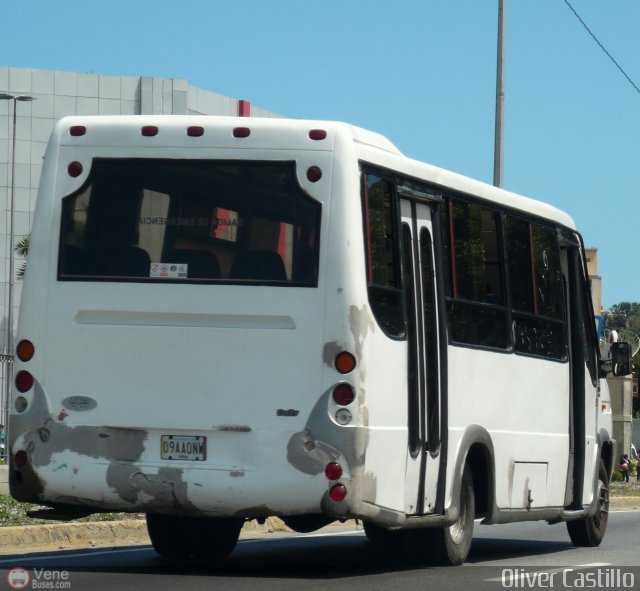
[[421, 72]]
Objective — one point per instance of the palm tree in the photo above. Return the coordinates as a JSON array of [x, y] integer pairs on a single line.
[[22, 249]]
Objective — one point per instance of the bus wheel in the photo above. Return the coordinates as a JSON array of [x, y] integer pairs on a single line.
[[450, 545], [590, 531], [168, 535], [212, 538]]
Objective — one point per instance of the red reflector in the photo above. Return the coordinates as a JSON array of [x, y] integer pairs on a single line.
[[195, 131], [345, 362], [333, 471], [24, 381], [241, 132], [149, 130], [314, 174], [317, 134], [343, 394], [20, 459], [77, 130], [74, 169], [338, 492], [25, 350]]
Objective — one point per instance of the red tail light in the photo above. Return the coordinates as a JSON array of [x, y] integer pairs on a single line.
[[24, 381], [338, 492], [343, 394], [333, 471], [20, 459]]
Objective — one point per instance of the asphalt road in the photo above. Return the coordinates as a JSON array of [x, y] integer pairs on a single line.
[[526, 555]]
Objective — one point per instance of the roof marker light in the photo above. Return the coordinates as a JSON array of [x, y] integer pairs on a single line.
[[149, 130], [74, 169], [317, 134], [77, 130], [314, 174], [195, 131], [241, 132]]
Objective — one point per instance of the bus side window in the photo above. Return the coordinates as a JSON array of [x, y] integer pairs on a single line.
[[535, 283], [385, 295], [474, 277]]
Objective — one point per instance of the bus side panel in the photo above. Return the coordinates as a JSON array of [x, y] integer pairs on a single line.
[[523, 403]]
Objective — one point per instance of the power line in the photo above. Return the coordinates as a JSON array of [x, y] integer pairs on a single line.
[[602, 46]]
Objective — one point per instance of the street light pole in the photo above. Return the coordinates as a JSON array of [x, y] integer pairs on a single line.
[[14, 98], [498, 154]]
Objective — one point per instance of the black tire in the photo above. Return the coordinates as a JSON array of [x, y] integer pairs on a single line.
[[450, 545], [590, 531], [168, 535], [173, 536], [212, 538]]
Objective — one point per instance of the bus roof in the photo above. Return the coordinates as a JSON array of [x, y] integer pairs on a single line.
[[292, 134]]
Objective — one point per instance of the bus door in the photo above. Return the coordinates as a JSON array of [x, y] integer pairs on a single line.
[[423, 376], [584, 390]]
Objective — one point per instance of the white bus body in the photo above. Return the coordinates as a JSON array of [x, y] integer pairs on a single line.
[[239, 318]]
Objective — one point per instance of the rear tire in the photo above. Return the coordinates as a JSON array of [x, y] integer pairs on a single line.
[[451, 545], [173, 536], [167, 535], [590, 531]]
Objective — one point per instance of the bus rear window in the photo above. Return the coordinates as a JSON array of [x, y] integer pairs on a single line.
[[190, 220]]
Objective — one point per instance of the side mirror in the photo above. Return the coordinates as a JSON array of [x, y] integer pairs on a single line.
[[621, 359]]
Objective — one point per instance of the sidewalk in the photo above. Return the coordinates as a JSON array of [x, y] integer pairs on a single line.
[[66, 536]]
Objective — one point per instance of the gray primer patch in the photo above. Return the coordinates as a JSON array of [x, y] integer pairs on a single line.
[[310, 459], [360, 322], [167, 489], [329, 352]]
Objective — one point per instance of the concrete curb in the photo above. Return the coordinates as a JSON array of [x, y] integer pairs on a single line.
[[14, 540], [99, 533]]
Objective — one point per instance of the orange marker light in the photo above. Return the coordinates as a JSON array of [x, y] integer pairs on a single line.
[[345, 362], [25, 350]]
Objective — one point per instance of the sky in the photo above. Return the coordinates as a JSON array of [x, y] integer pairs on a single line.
[[421, 72]]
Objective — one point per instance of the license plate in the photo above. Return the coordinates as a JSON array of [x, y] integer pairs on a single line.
[[183, 447]]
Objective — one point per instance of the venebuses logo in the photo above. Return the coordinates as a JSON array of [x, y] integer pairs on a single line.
[[18, 578]]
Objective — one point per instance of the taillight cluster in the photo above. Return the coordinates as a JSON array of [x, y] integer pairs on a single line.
[[24, 381], [343, 395], [343, 392]]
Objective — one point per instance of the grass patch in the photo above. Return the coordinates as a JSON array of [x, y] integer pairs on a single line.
[[13, 513], [625, 489]]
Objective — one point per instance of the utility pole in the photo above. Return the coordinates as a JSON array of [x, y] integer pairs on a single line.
[[498, 153]]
